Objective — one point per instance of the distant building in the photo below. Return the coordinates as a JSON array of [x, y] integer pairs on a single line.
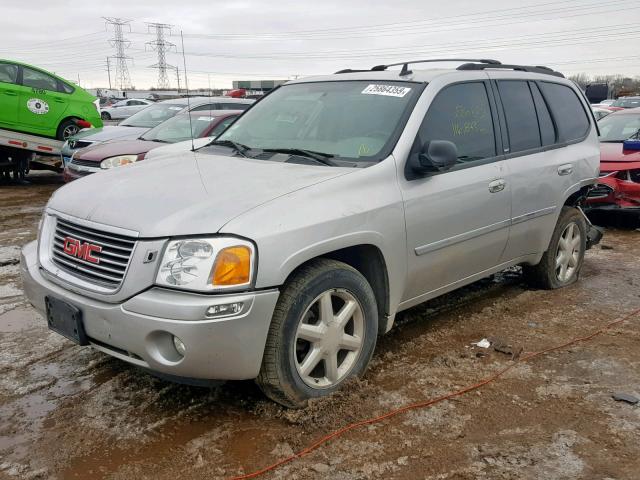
[[257, 85]]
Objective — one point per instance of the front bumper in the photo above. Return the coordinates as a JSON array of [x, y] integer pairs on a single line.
[[140, 329]]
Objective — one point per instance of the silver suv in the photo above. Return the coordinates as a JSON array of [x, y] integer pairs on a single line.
[[284, 248]]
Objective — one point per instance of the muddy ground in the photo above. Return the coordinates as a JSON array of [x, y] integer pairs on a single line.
[[68, 412]]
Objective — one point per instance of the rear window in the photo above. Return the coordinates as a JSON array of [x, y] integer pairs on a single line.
[[39, 80], [520, 112], [547, 129], [571, 119]]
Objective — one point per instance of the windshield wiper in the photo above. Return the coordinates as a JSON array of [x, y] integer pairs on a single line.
[[320, 157], [238, 147]]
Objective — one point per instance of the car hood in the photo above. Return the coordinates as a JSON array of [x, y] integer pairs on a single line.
[[613, 157], [178, 148], [109, 133], [189, 194], [100, 151]]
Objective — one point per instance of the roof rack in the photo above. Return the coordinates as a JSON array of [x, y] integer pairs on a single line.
[[405, 65], [473, 64], [520, 68]]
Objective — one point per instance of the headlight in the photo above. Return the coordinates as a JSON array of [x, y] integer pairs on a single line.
[[118, 161], [207, 264]]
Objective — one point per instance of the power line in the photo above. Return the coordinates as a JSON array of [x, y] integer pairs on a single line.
[[123, 80], [160, 45]]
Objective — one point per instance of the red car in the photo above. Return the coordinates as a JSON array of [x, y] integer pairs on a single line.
[[619, 184], [102, 156]]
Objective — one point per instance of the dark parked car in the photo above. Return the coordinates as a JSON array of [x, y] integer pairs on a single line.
[[104, 156]]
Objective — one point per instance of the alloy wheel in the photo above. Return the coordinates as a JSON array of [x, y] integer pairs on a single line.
[[329, 338], [568, 253]]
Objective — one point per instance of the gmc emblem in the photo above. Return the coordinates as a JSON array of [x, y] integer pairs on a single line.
[[84, 251]]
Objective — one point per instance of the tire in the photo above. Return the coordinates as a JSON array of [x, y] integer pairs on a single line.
[[287, 375], [67, 129], [553, 272], [105, 116]]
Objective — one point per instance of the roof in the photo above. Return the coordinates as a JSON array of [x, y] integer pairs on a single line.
[[409, 73]]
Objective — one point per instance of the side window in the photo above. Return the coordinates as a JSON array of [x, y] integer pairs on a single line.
[[40, 80], [567, 110], [520, 113], [202, 108], [233, 106], [547, 130], [8, 73], [65, 88], [461, 114]]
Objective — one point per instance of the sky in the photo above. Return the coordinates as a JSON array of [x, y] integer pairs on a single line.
[[263, 39]]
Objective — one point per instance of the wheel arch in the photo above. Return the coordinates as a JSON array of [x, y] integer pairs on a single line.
[[366, 258]]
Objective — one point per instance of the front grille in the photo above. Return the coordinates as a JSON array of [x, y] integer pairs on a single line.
[[600, 191], [85, 163], [113, 258], [75, 144]]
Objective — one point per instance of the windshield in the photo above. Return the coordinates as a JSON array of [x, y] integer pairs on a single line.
[[617, 128], [354, 120], [626, 103], [177, 129], [153, 115]]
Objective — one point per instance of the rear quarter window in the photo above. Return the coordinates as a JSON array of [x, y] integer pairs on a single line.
[[571, 119]]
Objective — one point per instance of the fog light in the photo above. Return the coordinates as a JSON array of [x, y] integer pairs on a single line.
[[180, 348], [225, 309]]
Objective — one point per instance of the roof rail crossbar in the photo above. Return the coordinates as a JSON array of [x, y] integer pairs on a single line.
[[405, 65], [520, 68]]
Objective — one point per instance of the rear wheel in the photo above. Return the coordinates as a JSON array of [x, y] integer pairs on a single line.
[[67, 129], [561, 264], [323, 332], [105, 116]]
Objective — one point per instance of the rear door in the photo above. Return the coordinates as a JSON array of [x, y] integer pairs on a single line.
[[545, 123], [9, 94], [457, 221], [41, 105]]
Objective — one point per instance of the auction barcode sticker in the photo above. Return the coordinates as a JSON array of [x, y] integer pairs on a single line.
[[387, 90]]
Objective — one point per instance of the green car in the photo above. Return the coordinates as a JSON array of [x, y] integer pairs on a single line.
[[38, 102]]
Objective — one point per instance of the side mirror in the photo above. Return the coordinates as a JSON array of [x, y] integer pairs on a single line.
[[436, 156]]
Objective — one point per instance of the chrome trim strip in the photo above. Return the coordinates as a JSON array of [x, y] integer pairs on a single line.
[[447, 242], [463, 237], [532, 215]]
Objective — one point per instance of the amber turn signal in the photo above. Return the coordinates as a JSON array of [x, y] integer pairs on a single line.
[[232, 266]]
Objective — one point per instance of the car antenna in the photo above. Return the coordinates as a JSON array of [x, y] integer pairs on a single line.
[[186, 84]]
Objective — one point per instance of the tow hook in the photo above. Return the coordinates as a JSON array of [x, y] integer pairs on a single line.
[[594, 234]]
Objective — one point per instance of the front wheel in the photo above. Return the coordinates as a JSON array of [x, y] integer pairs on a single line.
[[561, 264], [323, 332], [67, 129], [105, 116]]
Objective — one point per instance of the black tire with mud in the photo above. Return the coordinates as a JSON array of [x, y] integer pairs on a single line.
[[278, 378], [543, 275]]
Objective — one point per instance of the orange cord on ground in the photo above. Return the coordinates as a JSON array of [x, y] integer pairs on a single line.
[[433, 401]]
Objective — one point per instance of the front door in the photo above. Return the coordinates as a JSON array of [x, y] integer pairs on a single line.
[[457, 221]]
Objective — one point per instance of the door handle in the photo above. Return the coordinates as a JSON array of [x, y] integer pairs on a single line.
[[497, 185], [566, 169], [58, 99], [11, 92]]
